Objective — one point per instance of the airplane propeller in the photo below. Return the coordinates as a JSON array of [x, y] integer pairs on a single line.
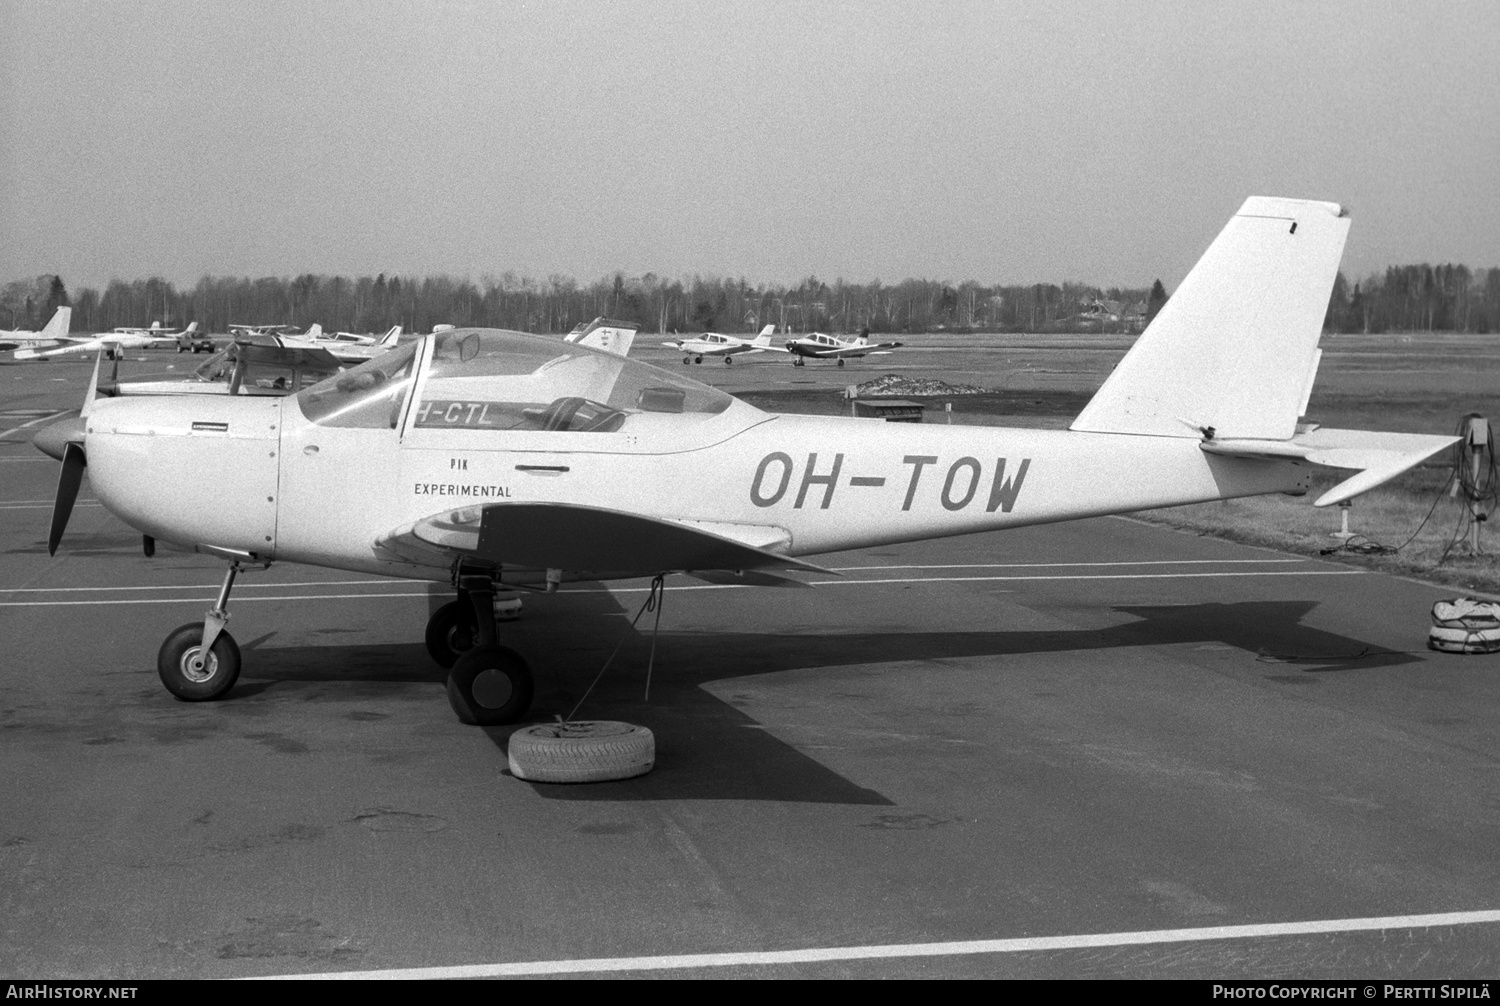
[[73, 463], [64, 440]]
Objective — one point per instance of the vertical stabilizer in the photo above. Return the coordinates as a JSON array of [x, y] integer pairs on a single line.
[[58, 327], [1232, 351]]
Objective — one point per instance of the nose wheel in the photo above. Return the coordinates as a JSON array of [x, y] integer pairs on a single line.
[[199, 661]]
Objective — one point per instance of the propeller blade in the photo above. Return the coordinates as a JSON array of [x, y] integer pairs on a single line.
[[67, 491]]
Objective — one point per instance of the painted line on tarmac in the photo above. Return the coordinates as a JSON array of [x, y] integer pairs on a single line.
[[1062, 565], [1100, 576], [989, 579], [956, 948], [703, 586], [200, 600], [44, 506], [28, 425], [215, 586]]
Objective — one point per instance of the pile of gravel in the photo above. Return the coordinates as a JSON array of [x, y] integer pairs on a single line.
[[895, 385]]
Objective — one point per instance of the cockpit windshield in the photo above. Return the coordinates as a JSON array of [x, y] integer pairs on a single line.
[[368, 396], [496, 380]]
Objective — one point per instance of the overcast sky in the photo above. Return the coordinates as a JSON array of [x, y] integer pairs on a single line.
[[1103, 142]]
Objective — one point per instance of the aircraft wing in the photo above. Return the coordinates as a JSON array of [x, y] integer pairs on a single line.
[[572, 537]]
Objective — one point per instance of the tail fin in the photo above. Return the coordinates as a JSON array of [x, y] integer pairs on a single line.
[[314, 331], [57, 328], [1233, 352], [390, 338], [766, 333], [763, 340], [192, 329]]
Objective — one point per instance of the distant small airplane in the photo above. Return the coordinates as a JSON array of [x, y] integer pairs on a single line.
[[604, 333], [830, 347], [344, 350], [55, 332], [727, 346], [254, 331], [113, 343]]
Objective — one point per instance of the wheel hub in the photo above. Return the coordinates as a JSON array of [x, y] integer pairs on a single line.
[[195, 669], [492, 689]]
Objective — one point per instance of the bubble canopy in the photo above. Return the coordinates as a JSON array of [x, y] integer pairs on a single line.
[[486, 379]]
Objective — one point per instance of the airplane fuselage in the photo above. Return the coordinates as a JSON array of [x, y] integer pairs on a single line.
[[256, 475]]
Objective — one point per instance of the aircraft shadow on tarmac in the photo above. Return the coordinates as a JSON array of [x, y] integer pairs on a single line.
[[710, 750]]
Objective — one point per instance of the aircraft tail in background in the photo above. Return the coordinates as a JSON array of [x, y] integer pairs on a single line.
[[57, 328], [1233, 353]]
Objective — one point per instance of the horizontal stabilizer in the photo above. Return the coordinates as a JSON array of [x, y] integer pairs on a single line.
[[571, 537], [1379, 457]]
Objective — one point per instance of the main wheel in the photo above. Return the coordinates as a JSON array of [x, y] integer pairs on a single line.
[[450, 632], [728, 360], [841, 361], [686, 360], [697, 359], [175, 664], [490, 685]]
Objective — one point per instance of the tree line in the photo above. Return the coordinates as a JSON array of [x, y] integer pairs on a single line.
[[1404, 298]]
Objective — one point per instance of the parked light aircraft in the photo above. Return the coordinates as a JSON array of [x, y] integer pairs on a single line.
[[113, 343], [56, 331], [604, 333], [255, 331], [344, 350], [830, 347], [728, 346], [495, 460]]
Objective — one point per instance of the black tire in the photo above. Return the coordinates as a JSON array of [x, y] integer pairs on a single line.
[[172, 664], [728, 361], [686, 360], [841, 361], [490, 685], [582, 751], [450, 632]]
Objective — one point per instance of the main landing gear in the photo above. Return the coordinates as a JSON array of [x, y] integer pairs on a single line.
[[200, 661], [488, 684]]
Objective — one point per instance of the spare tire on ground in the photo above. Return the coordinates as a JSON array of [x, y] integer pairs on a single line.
[[581, 751]]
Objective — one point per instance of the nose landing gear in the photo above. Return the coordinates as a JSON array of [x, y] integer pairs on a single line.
[[200, 661]]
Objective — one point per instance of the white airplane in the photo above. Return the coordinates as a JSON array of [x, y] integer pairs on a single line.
[[496, 460], [113, 343], [255, 331], [344, 350], [604, 333], [830, 347], [697, 347], [55, 332]]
